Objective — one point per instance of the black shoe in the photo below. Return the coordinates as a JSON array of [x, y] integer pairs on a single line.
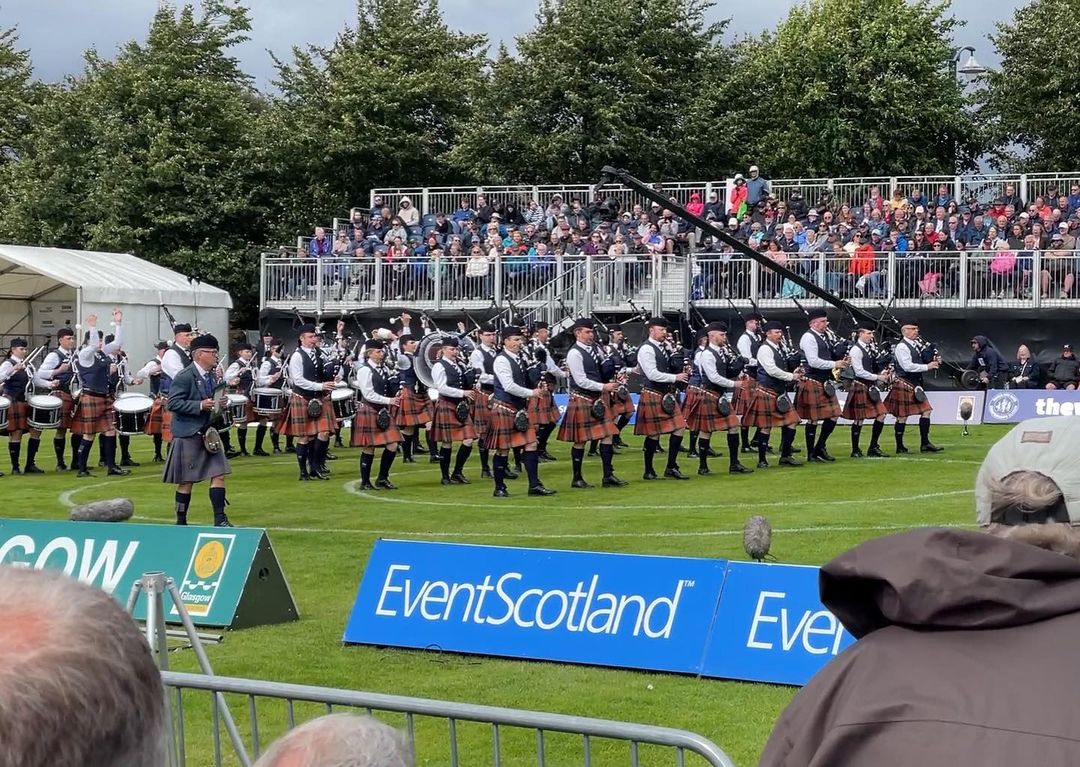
[[660, 450], [618, 442], [713, 453], [445, 481], [289, 449], [748, 449], [277, 451], [614, 481], [339, 443], [385, 484], [320, 474], [856, 453], [511, 474], [540, 490], [366, 486], [902, 450], [592, 454], [459, 479], [693, 453], [304, 476], [408, 459], [738, 468], [223, 522], [787, 460], [232, 453], [580, 483], [546, 456], [649, 476], [930, 447], [704, 471], [770, 450], [485, 474], [675, 474], [85, 473], [181, 523], [243, 454], [116, 471], [763, 464], [330, 456], [32, 469], [61, 466], [100, 464], [875, 452], [129, 462], [793, 449], [433, 459], [814, 458], [823, 453], [501, 492], [259, 451], [15, 470]]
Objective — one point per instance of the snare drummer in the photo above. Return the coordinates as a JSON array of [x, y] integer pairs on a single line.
[[270, 376], [119, 380], [311, 424], [367, 432], [156, 424], [653, 421], [54, 377], [860, 405], [16, 381], [94, 414], [240, 377]]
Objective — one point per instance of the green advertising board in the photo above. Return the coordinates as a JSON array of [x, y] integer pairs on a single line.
[[226, 577]]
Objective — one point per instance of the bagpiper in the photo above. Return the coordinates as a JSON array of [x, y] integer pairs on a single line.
[[373, 424], [658, 411], [309, 416], [771, 407], [864, 397], [453, 418], [816, 399], [710, 411], [907, 398]]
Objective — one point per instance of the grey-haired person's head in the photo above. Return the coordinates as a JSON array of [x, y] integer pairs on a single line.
[[78, 684], [340, 740]]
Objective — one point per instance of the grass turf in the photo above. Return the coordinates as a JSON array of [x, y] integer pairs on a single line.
[[323, 532]]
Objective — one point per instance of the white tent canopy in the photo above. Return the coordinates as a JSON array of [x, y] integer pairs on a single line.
[[45, 289]]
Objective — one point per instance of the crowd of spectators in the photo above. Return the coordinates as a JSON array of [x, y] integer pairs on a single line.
[[844, 247]]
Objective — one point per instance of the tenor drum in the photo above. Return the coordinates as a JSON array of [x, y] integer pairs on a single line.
[[268, 402], [238, 405], [344, 403], [44, 411], [132, 412], [5, 403]]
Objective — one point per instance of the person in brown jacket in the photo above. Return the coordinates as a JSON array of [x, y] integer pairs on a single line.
[[967, 640]]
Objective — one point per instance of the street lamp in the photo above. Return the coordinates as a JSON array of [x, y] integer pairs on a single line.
[[971, 68]]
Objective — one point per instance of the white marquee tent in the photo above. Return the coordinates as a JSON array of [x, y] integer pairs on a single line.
[[45, 289]]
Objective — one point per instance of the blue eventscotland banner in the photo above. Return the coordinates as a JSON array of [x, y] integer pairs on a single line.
[[1015, 405], [687, 615]]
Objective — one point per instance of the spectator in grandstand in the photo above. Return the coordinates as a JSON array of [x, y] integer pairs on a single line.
[[1040, 233], [738, 204], [464, 213], [1012, 198], [339, 740], [1073, 199], [376, 207], [78, 684], [342, 245], [320, 245], [1057, 268], [1063, 372], [966, 638], [669, 230], [757, 187], [484, 211], [1068, 241], [379, 226], [408, 214], [696, 206], [714, 206], [1026, 372], [916, 199], [534, 214], [477, 274], [397, 231], [944, 197], [511, 215]]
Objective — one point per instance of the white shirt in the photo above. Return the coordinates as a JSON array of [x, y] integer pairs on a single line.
[[438, 377], [767, 354], [858, 365], [745, 345], [646, 358], [86, 354], [296, 370], [903, 360], [505, 374], [7, 369], [707, 362], [236, 368], [263, 378], [171, 362], [476, 360], [809, 346], [367, 390], [44, 375], [576, 362], [151, 368]]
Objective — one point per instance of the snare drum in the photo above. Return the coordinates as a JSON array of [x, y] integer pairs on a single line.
[[44, 411], [238, 408], [344, 403], [267, 402], [132, 412], [5, 403]]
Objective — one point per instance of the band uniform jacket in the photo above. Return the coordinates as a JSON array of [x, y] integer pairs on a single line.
[[185, 402]]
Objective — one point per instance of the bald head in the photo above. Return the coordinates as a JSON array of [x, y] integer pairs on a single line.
[[340, 740]]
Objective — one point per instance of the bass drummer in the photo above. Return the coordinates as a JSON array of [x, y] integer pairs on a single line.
[[54, 377], [16, 381], [240, 378]]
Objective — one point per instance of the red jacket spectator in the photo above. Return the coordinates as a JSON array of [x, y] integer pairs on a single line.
[[696, 206], [739, 196], [862, 260]]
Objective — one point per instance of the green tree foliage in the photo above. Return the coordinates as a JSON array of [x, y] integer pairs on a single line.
[[150, 153], [855, 88], [1032, 102], [382, 106], [17, 94], [638, 83]]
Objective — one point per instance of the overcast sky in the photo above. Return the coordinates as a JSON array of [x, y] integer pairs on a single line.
[[56, 32]]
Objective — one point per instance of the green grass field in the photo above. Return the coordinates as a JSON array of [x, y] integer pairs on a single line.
[[323, 532]]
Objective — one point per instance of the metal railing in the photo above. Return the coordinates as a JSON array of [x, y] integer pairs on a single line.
[[551, 287], [440, 732]]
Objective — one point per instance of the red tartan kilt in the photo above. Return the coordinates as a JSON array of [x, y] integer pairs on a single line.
[[543, 410], [415, 409], [740, 402], [481, 412], [813, 403], [94, 415], [901, 402], [762, 413], [579, 425], [366, 431], [445, 426], [160, 421], [295, 422], [702, 415], [501, 434], [651, 419], [618, 407], [17, 414], [858, 406]]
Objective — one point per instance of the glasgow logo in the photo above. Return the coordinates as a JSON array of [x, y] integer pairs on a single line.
[[209, 556], [1003, 406]]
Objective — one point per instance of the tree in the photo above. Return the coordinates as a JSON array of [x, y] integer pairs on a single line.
[[1032, 102], [623, 82], [150, 153], [382, 106], [17, 94], [855, 88]]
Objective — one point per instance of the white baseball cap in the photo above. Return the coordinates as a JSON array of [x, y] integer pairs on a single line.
[[753, 169]]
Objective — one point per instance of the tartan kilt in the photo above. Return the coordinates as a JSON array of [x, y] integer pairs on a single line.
[[17, 415], [618, 407], [94, 414], [901, 401], [858, 406], [702, 415], [813, 403], [481, 412], [366, 431], [294, 420], [415, 408], [543, 410], [160, 420], [579, 425], [762, 413], [742, 398], [651, 420], [501, 434], [445, 426]]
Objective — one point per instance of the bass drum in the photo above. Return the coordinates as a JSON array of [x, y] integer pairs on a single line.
[[132, 413]]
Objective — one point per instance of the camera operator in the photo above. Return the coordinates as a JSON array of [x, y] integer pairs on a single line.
[[986, 361], [1025, 373]]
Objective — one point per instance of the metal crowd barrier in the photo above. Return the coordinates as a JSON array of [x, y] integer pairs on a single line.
[[441, 732]]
